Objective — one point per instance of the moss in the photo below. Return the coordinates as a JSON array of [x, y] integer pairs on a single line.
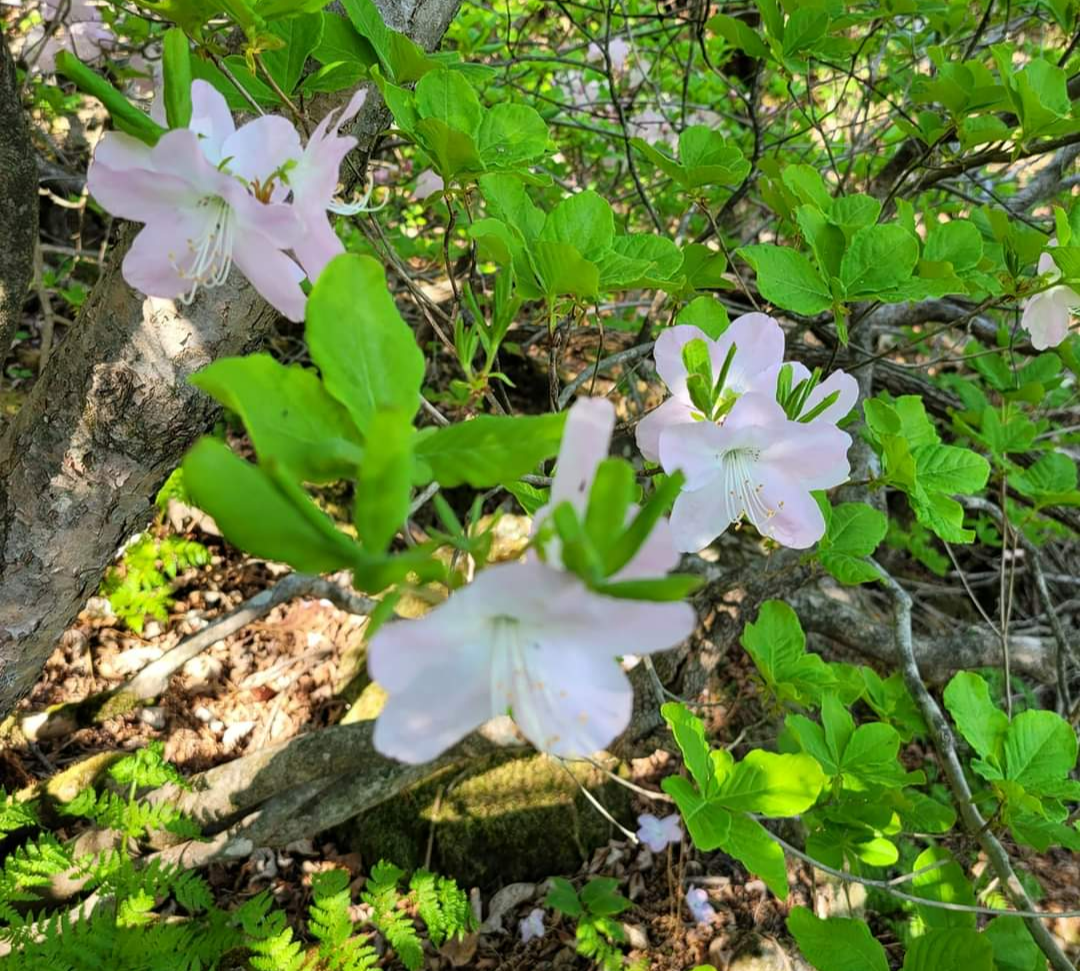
[[502, 821]]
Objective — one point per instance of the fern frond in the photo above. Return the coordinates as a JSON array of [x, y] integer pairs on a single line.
[[15, 815], [381, 892], [329, 923], [272, 945]]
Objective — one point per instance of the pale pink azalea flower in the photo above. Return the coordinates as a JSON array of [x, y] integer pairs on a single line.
[[841, 383], [524, 638], [651, 126], [758, 465], [428, 183], [759, 348], [618, 50], [697, 902], [586, 439], [313, 180], [658, 834], [204, 195], [532, 926], [1047, 315], [82, 32]]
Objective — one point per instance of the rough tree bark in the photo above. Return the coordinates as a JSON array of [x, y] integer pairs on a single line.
[[18, 202], [111, 417]]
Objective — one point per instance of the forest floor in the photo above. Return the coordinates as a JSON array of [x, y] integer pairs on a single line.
[[295, 670]]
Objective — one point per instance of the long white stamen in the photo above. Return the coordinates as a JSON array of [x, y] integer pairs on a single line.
[[741, 492], [343, 208], [213, 251]]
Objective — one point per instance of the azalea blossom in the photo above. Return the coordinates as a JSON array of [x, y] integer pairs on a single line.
[[82, 32], [204, 195], [758, 465], [840, 383], [759, 350], [313, 180], [586, 439], [428, 183], [657, 834], [532, 926], [524, 638], [697, 902], [1047, 314]]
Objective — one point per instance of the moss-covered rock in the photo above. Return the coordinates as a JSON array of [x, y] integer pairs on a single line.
[[502, 821]]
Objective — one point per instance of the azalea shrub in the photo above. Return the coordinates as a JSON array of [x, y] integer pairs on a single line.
[[827, 305]]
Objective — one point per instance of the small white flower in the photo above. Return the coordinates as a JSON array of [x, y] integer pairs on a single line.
[[697, 900], [532, 926], [656, 834], [1047, 314]]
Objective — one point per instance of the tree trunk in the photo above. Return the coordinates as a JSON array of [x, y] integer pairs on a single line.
[[112, 416], [18, 202]]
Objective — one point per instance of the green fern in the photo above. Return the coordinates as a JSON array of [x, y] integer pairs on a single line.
[[31, 865], [381, 892], [142, 586], [272, 945], [15, 815], [329, 923], [442, 906]]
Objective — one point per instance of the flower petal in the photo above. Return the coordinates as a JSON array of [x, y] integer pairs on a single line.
[[423, 719], [674, 411], [755, 410], [566, 700], [276, 276], [585, 442], [163, 252], [656, 557], [796, 521], [120, 151], [847, 389], [813, 454], [697, 518], [695, 450], [1046, 316], [317, 244], [667, 353], [211, 119], [139, 194], [258, 149], [759, 346]]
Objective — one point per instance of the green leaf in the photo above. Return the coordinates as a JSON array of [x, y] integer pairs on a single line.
[[689, 732], [176, 71], [602, 898], [836, 944], [852, 213], [806, 182], [979, 720], [508, 201], [707, 314], [1053, 476], [771, 784], [291, 418], [948, 468], [777, 644], [946, 883], [564, 898], [510, 135], [708, 824], [561, 269], [448, 97], [301, 35], [750, 843], [804, 28], [489, 450], [952, 949], [123, 113], [340, 43], [787, 278], [1014, 947], [584, 221], [878, 258], [1040, 749], [367, 354], [739, 34], [709, 158], [256, 514], [383, 485], [1043, 94], [958, 242], [853, 532]]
